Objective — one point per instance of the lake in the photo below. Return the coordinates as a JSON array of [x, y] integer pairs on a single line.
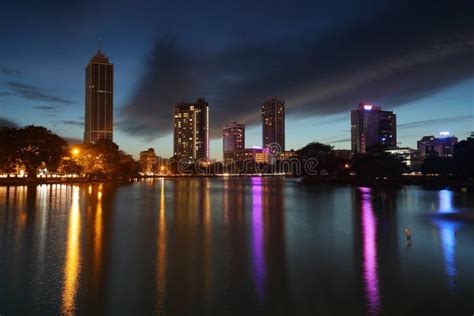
[[234, 246]]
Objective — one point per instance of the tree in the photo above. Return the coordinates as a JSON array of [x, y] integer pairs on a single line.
[[104, 160], [314, 150], [378, 165], [31, 146], [433, 164], [463, 158], [326, 162]]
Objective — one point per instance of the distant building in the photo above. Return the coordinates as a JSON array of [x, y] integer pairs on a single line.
[[233, 137], [273, 124], [99, 99], [411, 157], [191, 130], [260, 155], [372, 128], [284, 155], [443, 146]]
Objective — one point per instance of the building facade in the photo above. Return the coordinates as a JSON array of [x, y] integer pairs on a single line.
[[191, 130], [372, 128], [443, 145], [410, 156], [99, 102], [273, 125], [259, 155], [233, 137]]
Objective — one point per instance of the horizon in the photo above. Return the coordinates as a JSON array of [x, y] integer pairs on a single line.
[[428, 85]]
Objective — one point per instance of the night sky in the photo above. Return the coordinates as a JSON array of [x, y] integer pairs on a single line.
[[321, 57]]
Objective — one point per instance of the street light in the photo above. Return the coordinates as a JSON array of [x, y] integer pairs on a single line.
[[75, 151]]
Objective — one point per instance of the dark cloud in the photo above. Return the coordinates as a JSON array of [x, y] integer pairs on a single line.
[[398, 56], [424, 123], [33, 93], [9, 71], [337, 141], [72, 122], [45, 107], [4, 122]]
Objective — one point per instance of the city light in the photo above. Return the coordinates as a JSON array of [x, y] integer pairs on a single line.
[[368, 107], [444, 134], [75, 151]]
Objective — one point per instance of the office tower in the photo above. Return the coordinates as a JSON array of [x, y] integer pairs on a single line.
[[191, 130], [273, 124], [442, 146], [99, 99], [233, 137], [372, 129]]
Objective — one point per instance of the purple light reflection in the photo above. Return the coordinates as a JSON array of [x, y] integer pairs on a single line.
[[369, 230], [257, 237]]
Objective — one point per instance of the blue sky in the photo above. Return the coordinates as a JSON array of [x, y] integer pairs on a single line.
[[321, 58]]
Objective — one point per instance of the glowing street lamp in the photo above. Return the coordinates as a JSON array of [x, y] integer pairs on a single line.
[[75, 151]]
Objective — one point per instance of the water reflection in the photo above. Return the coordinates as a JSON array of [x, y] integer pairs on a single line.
[[257, 237], [73, 257], [369, 241], [246, 246], [161, 281], [447, 233]]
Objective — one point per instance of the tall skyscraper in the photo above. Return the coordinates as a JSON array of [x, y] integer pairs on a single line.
[[233, 137], [99, 99], [191, 130], [273, 123], [372, 128]]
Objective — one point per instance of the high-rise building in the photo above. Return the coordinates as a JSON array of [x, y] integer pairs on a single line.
[[372, 129], [191, 130], [443, 146], [99, 99], [233, 137], [273, 124]]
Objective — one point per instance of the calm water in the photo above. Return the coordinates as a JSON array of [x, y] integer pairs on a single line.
[[256, 246]]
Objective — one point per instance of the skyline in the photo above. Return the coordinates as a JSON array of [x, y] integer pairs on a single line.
[[42, 83]]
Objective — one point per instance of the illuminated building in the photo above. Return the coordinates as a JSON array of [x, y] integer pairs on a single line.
[[443, 145], [260, 155], [99, 99], [191, 130], [284, 155], [372, 128], [273, 124], [233, 137], [410, 156]]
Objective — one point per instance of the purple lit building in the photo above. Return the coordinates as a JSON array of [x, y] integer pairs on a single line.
[[372, 129], [233, 137], [443, 145], [273, 124]]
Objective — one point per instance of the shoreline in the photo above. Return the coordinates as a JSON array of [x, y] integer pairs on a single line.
[[435, 183]]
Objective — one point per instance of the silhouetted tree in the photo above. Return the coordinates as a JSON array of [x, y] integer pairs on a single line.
[[378, 165], [434, 164], [31, 146], [463, 158]]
